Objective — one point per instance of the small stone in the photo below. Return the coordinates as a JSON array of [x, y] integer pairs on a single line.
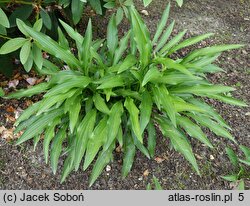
[[145, 173], [140, 178], [13, 83], [31, 81], [211, 157], [108, 168], [247, 114], [159, 160], [145, 12]]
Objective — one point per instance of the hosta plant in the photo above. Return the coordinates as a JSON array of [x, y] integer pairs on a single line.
[[112, 92]]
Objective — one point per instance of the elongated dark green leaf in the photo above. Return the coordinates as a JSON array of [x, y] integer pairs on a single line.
[[52, 47], [213, 126], [128, 62], [157, 184], [162, 24], [96, 140], [25, 51], [113, 123], [74, 114], [56, 148], [152, 74], [23, 13], [141, 37], [134, 117], [172, 42], [86, 47], [111, 82], [77, 10], [1, 92], [151, 138], [102, 160], [48, 136], [38, 126], [4, 19], [63, 42], [46, 19], [112, 35], [229, 100], [246, 151], [84, 131], [140, 145], [145, 110], [96, 5], [37, 56], [38, 25], [210, 51], [100, 104], [163, 40], [37, 89], [26, 114], [24, 124], [146, 2], [129, 155], [232, 157], [12, 45], [202, 89], [189, 42], [123, 45], [231, 178], [193, 130], [179, 141]]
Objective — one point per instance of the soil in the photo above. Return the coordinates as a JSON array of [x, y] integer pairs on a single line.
[[23, 168]]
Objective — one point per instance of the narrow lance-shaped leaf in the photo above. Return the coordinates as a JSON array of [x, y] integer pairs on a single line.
[[151, 138], [12, 45], [129, 155], [162, 24], [145, 110], [134, 117], [112, 35], [4, 19]]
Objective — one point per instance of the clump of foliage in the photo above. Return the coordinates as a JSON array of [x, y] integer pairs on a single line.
[[240, 167], [156, 185], [116, 90]]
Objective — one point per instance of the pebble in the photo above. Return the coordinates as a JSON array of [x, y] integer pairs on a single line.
[[211, 157], [108, 168], [145, 12]]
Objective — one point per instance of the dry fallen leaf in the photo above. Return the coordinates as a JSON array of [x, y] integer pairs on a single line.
[[159, 160], [146, 173], [13, 83], [31, 80]]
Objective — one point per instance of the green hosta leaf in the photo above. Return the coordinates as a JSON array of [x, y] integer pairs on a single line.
[[179, 141], [175, 78], [96, 5], [146, 2], [37, 56], [38, 25], [77, 10], [157, 184], [84, 131], [63, 42], [46, 19], [102, 160], [145, 110], [213, 126], [77, 82], [152, 74], [3, 30], [56, 148], [100, 104], [134, 117], [74, 113], [140, 145], [113, 123], [172, 42], [86, 47], [26, 123], [23, 12], [119, 16], [210, 110], [231, 178], [111, 82], [179, 2], [52, 47], [37, 89], [128, 62], [12, 45], [26, 114], [112, 35], [151, 138], [96, 140], [29, 63], [4, 19], [241, 185], [72, 33], [48, 136], [202, 89], [193, 130], [129, 155], [246, 151], [232, 157], [189, 42], [141, 37], [123, 45], [163, 40], [38, 126], [25, 51], [210, 51], [162, 24], [229, 100]]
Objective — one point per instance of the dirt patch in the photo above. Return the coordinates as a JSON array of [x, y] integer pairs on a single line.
[[23, 168]]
